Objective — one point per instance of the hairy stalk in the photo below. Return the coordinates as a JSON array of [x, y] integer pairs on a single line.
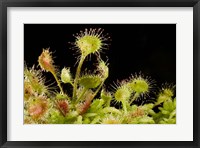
[[77, 76], [82, 94], [59, 85], [124, 107], [98, 89], [108, 103], [71, 84], [134, 97]]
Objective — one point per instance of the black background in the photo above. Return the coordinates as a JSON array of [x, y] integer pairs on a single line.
[[146, 48]]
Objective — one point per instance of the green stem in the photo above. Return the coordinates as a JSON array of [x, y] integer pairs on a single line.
[[108, 103], [81, 96], [124, 107], [98, 89], [71, 84], [78, 70], [134, 97], [59, 85]]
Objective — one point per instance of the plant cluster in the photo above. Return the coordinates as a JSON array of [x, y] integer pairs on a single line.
[[90, 102]]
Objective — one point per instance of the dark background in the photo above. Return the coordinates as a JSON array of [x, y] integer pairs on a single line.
[[146, 48]]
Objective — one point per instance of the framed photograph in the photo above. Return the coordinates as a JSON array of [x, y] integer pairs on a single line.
[[99, 73]]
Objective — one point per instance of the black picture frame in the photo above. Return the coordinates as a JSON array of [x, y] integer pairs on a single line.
[[4, 4]]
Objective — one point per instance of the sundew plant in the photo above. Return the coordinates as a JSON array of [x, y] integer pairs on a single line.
[[89, 102]]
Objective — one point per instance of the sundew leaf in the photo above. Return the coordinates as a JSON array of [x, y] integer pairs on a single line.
[[96, 105], [90, 81], [168, 105]]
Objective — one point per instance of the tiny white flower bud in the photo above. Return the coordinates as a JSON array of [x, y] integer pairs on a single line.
[[65, 75]]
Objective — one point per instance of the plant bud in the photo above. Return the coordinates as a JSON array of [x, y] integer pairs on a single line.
[[66, 75], [46, 61]]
